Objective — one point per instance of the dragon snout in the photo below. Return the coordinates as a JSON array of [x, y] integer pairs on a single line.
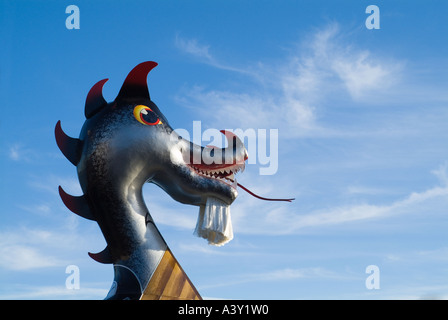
[[212, 158]]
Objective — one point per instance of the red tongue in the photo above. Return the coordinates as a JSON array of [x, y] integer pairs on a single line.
[[256, 196]]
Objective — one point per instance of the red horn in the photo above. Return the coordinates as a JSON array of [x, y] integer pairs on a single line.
[[95, 100], [135, 86]]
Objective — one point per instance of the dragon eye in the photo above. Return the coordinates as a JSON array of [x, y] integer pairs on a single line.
[[145, 115]]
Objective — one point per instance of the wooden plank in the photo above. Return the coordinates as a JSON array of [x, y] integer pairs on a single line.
[[170, 282]]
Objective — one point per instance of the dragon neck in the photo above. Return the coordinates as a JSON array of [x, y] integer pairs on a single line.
[[135, 246], [144, 266]]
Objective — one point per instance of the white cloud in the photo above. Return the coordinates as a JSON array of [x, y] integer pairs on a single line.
[[283, 219], [290, 274], [253, 216], [86, 291], [442, 173], [26, 248], [288, 94], [202, 52], [362, 75], [21, 257], [358, 70], [357, 190], [43, 209], [286, 274], [18, 153], [49, 184], [14, 153], [21, 252], [193, 47]]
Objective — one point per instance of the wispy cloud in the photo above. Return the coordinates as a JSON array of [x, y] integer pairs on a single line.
[[49, 184], [87, 291], [22, 257], [27, 249], [14, 153], [194, 48], [252, 216], [17, 152], [286, 274], [361, 73], [28, 252], [442, 173], [288, 218], [288, 94]]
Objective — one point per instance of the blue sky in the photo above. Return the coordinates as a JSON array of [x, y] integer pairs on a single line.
[[362, 141]]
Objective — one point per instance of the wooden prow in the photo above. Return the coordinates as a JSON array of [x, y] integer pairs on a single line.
[[170, 282]]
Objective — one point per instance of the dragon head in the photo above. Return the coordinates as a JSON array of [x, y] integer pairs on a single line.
[[127, 142], [134, 142], [122, 145]]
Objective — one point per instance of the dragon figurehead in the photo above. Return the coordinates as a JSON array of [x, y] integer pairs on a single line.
[[122, 145]]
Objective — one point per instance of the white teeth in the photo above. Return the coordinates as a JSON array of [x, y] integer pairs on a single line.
[[226, 175]]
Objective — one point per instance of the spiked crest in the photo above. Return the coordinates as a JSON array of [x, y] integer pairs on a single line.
[[134, 87]]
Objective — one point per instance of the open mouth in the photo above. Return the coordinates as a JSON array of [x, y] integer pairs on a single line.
[[224, 174], [214, 222]]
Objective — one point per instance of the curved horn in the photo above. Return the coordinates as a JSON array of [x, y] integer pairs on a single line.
[[102, 257], [70, 147], [95, 100], [76, 205], [135, 86]]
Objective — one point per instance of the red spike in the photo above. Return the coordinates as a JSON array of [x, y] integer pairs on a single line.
[[95, 100], [102, 257], [70, 147], [135, 85], [76, 205]]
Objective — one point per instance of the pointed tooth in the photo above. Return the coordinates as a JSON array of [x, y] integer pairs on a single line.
[[77, 205]]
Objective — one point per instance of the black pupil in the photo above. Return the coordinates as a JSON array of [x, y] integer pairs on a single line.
[[149, 116]]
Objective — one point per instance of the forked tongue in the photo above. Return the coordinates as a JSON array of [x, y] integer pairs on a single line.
[[214, 223]]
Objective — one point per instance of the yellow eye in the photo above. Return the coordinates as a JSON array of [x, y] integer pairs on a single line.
[[146, 116]]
